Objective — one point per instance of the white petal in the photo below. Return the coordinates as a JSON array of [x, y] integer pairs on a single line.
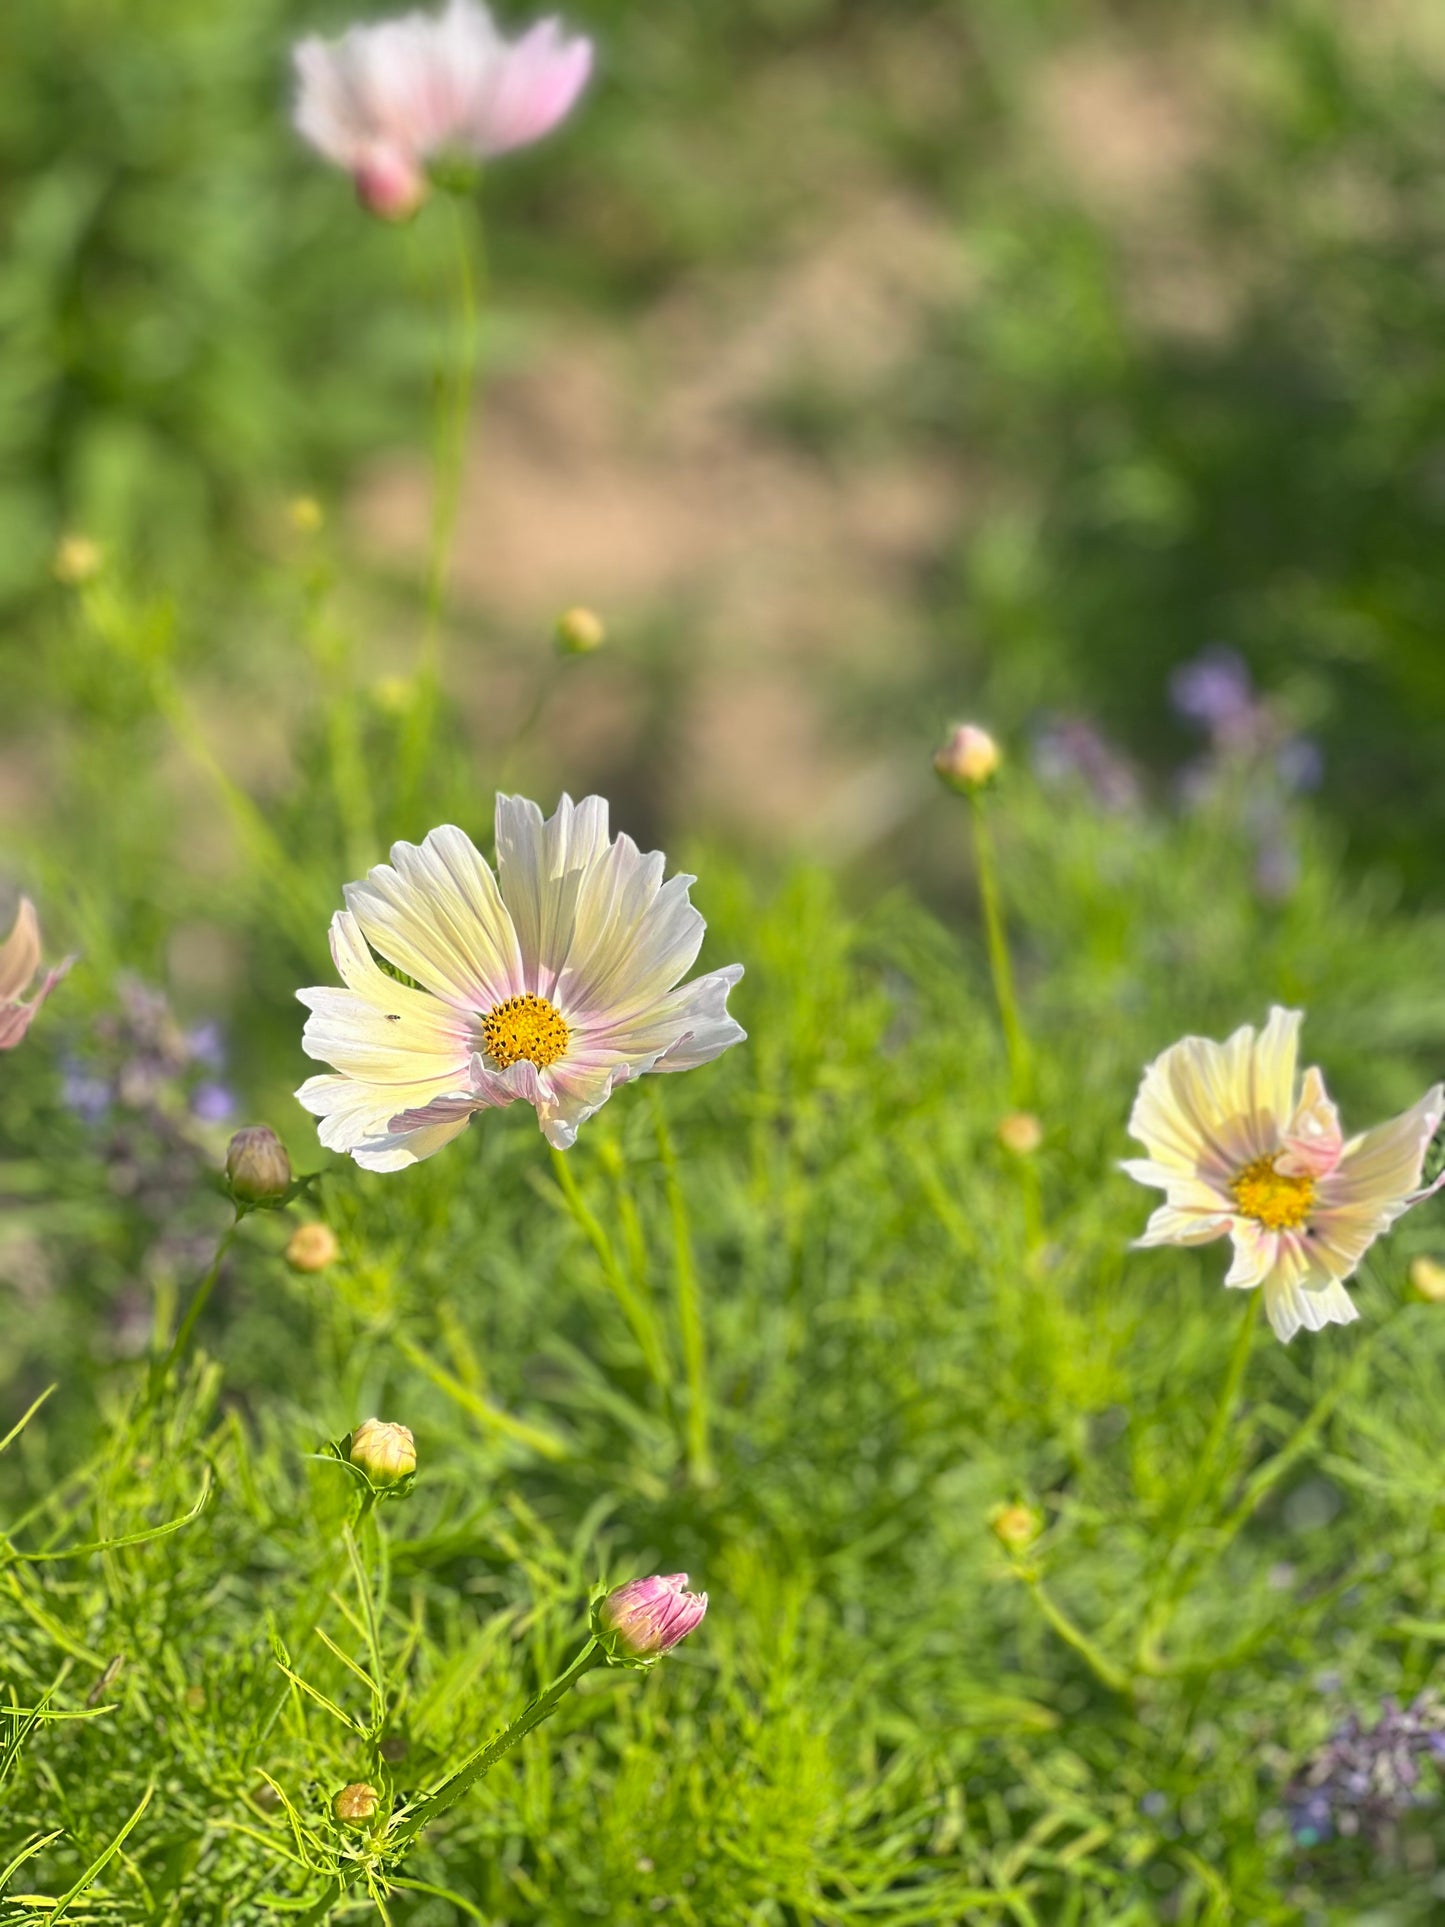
[[541, 866], [1379, 1170], [1171, 1226], [633, 938], [357, 1117], [1209, 1109], [1256, 1252], [1290, 1304], [436, 912]]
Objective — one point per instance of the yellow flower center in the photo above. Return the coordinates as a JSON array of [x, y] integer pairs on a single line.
[[1273, 1198], [524, 1027]]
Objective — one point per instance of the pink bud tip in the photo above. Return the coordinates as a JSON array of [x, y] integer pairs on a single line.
[[389, 185], [647, 1617]]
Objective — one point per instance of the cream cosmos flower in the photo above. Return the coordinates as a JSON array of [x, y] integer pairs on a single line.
[[383, 100], [553, 981], [1238, 1149]]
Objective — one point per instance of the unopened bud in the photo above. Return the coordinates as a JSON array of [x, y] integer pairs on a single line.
[[579, 632], [77, 559], [639, 1622], [356, 1805], [257, 1167], [305, 514], [968, 759], [385, 1453], [389, 184], [1015, 1526], [312, 1247], [1021, 1133], [1427, 1280]]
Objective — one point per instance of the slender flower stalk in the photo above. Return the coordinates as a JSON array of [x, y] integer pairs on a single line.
[[1000, 962], [689, 1305]]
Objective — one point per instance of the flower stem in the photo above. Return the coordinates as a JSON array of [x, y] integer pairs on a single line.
[[482, 1761], [689, 1304], [1104, 1669], [179, 1344], [635, 1308], [999, 962], [454, 386]]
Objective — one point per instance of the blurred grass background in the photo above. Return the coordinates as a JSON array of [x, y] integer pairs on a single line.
[[864, 365]]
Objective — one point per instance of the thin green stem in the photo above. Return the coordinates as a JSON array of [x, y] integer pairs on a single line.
[[635, 1309], [481, 1762], [1168, 1583], [1104, 1669], [689, 1304], [455, 380], [201, 1297], [999, 961]]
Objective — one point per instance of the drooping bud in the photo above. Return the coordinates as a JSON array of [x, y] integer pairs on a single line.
[[312, 1247], [1427, 1280], [968, 759], [77, 560], [1015, 1526], [257, 1167], [1021, 1133], [356, 1805], [580, 631], [637, 1623], [389, 184], [386, 1453]]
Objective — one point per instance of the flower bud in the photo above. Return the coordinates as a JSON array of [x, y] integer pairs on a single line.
[[389, 184], [385, 1453], [312, 1247], [1021, 1133], [1015, 1526], [77, 560], [257, 1167], [356, 1805], [1427, 1280], [637, 1623], [579, 632], [968, 759]]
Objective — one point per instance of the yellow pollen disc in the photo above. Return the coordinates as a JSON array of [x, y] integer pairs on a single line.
[[1271, 1198], [524, 1027]]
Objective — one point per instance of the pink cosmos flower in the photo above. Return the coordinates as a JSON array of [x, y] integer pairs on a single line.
[[19, 962], [383, 100], [552, 981], [1242, 1150], [646, 1618]]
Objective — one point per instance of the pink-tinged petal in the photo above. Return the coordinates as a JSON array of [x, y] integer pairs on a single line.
[[16, 1019], [642, 1620], [1314, 1141], [534, 87], [357, 1118], [1340, 1237], [541, 866], [20, 953], [1256, 1252], [435, 911], [701, 1007], [1379, 1170], [389, 183], [1170, 1225]]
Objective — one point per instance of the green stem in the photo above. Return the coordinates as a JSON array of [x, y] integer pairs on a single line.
[[689, 1303], [635, 1309], [160, 1373], [999, 962], [454, 399], [1168, 1583], [467, 1775], [1104, 1669]]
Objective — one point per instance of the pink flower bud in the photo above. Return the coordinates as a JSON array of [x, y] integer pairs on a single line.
[[639, 1622], [968, 758], [389, 184]]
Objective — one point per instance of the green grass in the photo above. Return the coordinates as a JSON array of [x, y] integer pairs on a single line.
[[885, 1717]]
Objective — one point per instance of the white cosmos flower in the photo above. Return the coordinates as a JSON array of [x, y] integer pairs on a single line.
[[383, 100], [553, 981], [1240, 1149]]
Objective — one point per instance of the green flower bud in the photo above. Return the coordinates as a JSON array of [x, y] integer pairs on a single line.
[[257, 1167], [580, 631]]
